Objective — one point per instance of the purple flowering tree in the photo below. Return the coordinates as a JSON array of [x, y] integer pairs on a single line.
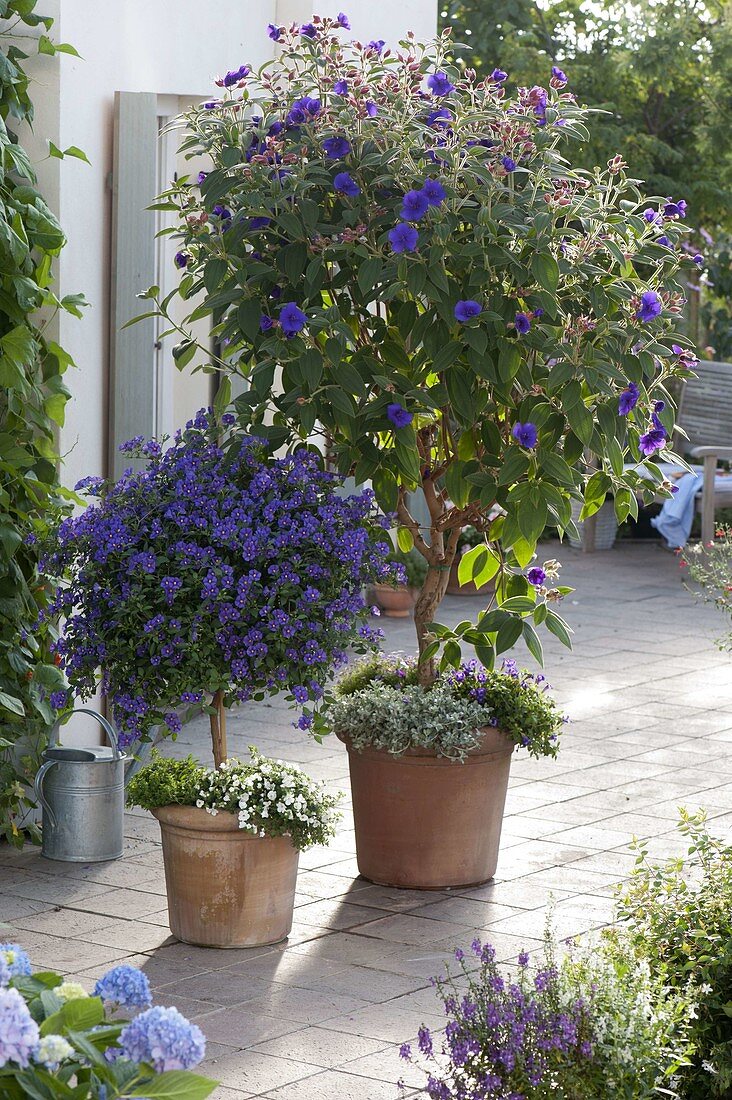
[[214, 575], [401, 263]]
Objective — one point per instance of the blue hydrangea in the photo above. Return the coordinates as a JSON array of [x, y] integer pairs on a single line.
[[124, 986], [164, 1039], [17, 960], [18, 1030]]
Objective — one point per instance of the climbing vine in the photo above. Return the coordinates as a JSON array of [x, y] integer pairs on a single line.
[[32, 401]]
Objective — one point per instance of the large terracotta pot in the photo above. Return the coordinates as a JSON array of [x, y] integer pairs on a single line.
[[426, 822], [396, 603], [455, 588], [226, 887]]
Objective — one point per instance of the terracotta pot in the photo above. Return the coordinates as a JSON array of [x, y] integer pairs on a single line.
[[226, 887], [426, 822], [396, 603], [455, 588]]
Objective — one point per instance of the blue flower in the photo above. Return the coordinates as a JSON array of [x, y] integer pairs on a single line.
[[664, 241], [236, 75], [16, 958], [698, 258], [292, 319], [466, 310], [201, 177], [346, 185], [536, 575], [522, 321], [558, 75], [181, 259], [628, 399], [258, 223], [525, 434], [509, 164], [498, 76], [675, 209], [398, 415], [376, 45], [303, 110], [342, 21], [650, 306], [440, 118], [652, 216], [124, 986], [371, 109], [164, 1039], [275, 33], [265, 323], [434, 192], [414, 206], [58, 699], [19, 1033], [308, 30], [222, 212], [336, 147], [439, 84], [341, 87], [403, 238], [652, 441]]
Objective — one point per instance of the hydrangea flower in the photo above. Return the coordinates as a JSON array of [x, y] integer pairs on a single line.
[[403, 238], [52, 1050], [466, 310], [346, 185], [5, 974], [650, 306], [19, 1033], [70, 991], [398, 415], [525, 434], [17, 960], [628, 399], [124, 986], [164, 1039]]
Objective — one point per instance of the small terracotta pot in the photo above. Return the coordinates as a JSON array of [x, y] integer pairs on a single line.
[[426, 822], [396, 603], [455, 588], [226, 887]]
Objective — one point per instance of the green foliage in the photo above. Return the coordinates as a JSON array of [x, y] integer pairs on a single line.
[[567, 250], [679, 917], [269, 797], [715, 313], [380, 704], [32, 400], [710, 567], [659, 70]]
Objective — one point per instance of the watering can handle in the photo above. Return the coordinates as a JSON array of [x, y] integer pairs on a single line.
[[38, 789], [108, 729]]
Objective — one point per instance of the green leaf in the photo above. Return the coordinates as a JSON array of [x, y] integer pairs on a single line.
[[77, 1015], [74, 150], [177, 1084], [532, 642], [368, 274], [386, 490], [558, 627], [508, 633], [405, 539], [222, 400], [546, 271], [9, 702], [447, 356], [580, 421]]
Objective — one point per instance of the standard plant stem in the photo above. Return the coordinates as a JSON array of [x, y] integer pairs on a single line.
[[218, 729]]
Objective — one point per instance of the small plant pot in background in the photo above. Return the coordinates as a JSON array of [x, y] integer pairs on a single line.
[[598, 532], [226, 887], [396, 603]]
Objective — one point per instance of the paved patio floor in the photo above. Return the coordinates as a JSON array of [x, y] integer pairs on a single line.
[[321, 1017]]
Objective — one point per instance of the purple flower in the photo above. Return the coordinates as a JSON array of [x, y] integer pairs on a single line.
[[536, 575], [303, 110], [376, 45], [19, 1033], [414, 206], [292, 319], [664, 241], [525, 434], [498, 76], [201, 177], [125, 987], [653, 440], [466, 310], [523, 959], [308, 30], [265, 323], [275, 33], [336, 147], [509, 164], [341, 87], [628, 399], [58, 699], [650, 306], [675, 209], [439, 84], [371, 109], [346, 185], [558, 74], [698, 258], [342, 21], [164, 1039], [652, 216], [522, 321], [434, 192], [403, 238], [236, 75], [181, 259], [398, 415], [222, 212]]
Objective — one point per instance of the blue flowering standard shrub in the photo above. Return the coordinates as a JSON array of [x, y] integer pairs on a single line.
[[57, 1040], [410, 265], [215, 571]]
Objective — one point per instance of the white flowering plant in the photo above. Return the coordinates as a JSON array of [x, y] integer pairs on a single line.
[[269, 797], [57, 1040]]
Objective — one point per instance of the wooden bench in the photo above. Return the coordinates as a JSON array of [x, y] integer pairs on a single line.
[[705, 414]]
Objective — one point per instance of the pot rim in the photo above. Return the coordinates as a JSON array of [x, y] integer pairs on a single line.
[[495, 742]]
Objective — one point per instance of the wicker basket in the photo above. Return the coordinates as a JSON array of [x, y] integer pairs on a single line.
[[606, 527]]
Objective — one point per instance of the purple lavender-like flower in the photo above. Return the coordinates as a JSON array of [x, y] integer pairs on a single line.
[[236, 75], [467, 310], [652, 216], [414, 206], [522, 321], [292, 319], [58, 699], [650, 306], [525, 434], [399, 416], [164, 1039], [124, 987], [19, 1034], [628, 399], [336, 148], [536, 576], [345, 184], [403, 238], [303, 110], [439, 84]]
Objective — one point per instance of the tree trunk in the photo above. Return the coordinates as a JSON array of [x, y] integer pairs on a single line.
[[429, 600], [218, 729]]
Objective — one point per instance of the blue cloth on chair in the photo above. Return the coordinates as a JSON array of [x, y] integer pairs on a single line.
[[674, 520]]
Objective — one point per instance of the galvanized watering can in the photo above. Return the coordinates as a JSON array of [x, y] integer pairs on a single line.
[[82, 792]]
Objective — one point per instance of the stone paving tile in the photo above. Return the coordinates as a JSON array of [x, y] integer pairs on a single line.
[[321, 1017]]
